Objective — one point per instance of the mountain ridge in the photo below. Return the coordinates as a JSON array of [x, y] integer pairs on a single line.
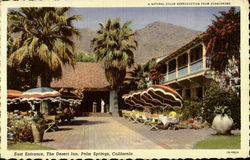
[[154, 40]]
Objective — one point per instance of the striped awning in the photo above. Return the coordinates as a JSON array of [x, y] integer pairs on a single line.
[[154, 96]]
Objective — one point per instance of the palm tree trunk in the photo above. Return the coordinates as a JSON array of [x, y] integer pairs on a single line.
[[44, 106], [115, 110], [45, 82]]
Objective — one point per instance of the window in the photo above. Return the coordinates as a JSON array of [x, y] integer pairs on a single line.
[[179, 91], [187, 93], [172, 65], [199, 92], [196, 53], [183, 60]]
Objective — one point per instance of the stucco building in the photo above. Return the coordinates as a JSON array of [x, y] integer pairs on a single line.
[[188, 69]]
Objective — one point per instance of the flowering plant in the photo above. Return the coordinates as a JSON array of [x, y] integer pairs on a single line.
[[19, 128], [155, 76]]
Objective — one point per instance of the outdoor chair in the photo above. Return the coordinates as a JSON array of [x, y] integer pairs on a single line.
[[51, 122], [154, 121], [24, 113], [124, 114], [60, 117], [130, 115], [135, 117], [141, 117]]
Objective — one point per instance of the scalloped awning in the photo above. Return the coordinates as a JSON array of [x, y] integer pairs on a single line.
[[154, 96]]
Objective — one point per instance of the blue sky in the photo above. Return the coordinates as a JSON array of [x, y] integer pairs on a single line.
[[196, 18]]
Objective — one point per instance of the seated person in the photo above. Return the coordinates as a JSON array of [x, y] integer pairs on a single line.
[[67, 114]]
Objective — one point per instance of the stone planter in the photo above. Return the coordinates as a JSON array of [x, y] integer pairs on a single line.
[[37, 133], [222, 124]]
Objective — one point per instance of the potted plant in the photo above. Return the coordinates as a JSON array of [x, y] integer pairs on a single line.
[[107, 108], [38, 127], [222, 122]]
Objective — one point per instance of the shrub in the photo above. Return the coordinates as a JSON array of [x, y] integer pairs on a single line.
[[191, 108], [217, 96], [19, 128]]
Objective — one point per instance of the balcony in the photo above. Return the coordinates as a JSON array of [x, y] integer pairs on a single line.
[[196, 66], [171, 75], [182, 71]]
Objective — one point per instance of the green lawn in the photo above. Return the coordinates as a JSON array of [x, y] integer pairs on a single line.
[[26, 146], [220, 142]]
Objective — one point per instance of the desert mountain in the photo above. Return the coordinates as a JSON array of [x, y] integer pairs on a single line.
[[156, 39]]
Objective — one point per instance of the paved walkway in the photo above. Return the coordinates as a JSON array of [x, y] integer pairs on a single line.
[[97, 133], [118, 133]]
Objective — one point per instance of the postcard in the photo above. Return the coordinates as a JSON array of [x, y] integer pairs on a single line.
[[124, 79]]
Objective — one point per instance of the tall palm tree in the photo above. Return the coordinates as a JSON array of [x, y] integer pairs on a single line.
[[44, 40], [114, 49]]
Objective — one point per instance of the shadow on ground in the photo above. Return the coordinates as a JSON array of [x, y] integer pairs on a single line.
[[63, 129], [82, 122], [48, 140]]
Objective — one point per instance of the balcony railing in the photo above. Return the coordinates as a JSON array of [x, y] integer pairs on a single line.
[[196, 66], [171, 75], [182, 71]]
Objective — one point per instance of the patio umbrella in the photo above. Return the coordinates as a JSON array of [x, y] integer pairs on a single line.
[[37, 95], [149, 100], [153, 97], [128, 100], [13, 93], [134, 99], [13, 96], [164, 95], [70, 97]]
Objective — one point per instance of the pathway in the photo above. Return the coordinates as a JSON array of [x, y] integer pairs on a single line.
[[118, 133], [98, 133]]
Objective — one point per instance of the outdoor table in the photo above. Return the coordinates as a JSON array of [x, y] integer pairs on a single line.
[[163, 119], [167, 120]]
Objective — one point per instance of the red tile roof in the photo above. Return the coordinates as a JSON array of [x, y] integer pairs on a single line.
[[85, 75]]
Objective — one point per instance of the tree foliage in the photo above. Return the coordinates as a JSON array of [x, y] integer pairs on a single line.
[[84, 57], [114, 48], [19, 77], [222, 39], [44, 40], [139, 78], [216, 96]]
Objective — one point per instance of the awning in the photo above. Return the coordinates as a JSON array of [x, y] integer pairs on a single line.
[[154, 96]]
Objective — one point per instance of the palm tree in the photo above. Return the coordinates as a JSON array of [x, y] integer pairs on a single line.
[[114, 49], [139, 78], [44, 40]]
